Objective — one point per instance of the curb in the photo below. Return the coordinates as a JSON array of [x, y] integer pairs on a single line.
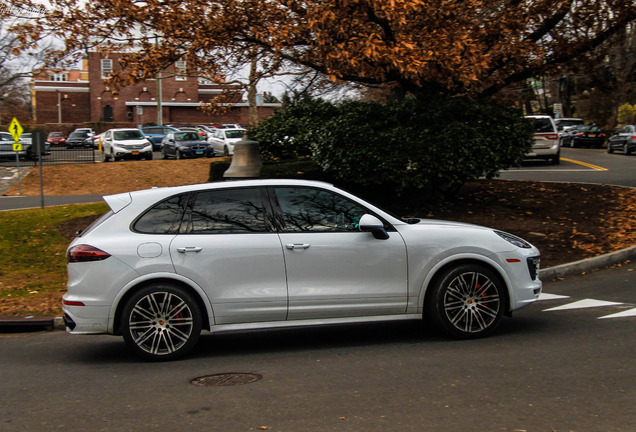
[[570, 269], [588, 264]]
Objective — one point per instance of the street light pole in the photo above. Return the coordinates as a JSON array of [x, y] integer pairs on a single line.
[[59, 107], [159, 92]]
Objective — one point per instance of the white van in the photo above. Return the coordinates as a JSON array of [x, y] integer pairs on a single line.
[[546, 139]]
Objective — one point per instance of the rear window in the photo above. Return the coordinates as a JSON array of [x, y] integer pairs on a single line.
[[542, 124]]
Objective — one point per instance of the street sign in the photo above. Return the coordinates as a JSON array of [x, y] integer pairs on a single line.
[[15, 128], [17, 147]]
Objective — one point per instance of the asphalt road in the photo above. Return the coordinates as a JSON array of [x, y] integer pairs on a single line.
[[544, 370], [580, 165]]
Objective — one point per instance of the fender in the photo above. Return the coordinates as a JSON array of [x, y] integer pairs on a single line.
[[489, 259], [154, 276]]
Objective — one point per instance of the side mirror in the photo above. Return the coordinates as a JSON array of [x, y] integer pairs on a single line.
[[372, 224]]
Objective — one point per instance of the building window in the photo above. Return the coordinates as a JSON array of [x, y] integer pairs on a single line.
[[57, 77], [205, 81], [107, 68], [180, 67]]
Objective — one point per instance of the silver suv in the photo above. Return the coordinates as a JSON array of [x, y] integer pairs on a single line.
[[546, 139]]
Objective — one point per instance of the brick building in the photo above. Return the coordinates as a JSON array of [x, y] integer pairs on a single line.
[[84, 96]]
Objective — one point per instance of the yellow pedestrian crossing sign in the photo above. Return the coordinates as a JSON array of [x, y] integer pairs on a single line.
[[15, 128]]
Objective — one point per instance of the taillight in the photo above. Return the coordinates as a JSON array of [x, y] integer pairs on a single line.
[[580, 134], [634, 137], [549, 136], [85, 253]]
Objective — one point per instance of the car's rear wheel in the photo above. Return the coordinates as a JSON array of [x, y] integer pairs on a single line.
[[177, 154], [467, 301], [161, 322], [556, 160]]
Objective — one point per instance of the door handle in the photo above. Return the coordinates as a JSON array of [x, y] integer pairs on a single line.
[[189, 249], [294, 246]]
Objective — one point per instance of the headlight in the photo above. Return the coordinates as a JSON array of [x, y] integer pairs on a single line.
[[517, 241]]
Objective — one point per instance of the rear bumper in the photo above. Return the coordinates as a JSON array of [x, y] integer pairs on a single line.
[[86, 319]]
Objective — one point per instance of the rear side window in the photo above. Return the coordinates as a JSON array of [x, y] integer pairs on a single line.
[[163, 218], [226, 212]]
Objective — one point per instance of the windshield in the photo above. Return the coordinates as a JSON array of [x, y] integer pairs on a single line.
[[56, 135], [128, 135], [78, 135]]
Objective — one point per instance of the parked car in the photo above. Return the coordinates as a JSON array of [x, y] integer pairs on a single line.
[[223, 140], [26, 139], [209, 130], [97, 139], [546, 139], [165, 263], [180, 144], [56, 138], [78, 139], [195, 129], [88, 141], [125, 143], [566, 123], [624, 140], [156, 134], [6, 147]]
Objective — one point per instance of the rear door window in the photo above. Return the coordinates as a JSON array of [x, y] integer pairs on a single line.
[[227, 211]]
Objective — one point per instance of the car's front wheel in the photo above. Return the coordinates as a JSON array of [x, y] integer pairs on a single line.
[[467, 301], [161, 322]]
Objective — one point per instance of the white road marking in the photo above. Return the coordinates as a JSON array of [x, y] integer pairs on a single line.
[[626, 313], [546, 296], [587, 303]]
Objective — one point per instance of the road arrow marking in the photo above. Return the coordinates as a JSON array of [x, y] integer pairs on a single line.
[[581, 304]]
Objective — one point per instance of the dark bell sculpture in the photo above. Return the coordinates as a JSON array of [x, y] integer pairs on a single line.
[[246, 161]]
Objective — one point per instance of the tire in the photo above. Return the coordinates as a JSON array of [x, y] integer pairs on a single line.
[[161, 322], [177, 155], [556, 160], [163, 154], [105, 157], [226, 151], [467, 302], [149, 157], [626, 149], [609, 148]]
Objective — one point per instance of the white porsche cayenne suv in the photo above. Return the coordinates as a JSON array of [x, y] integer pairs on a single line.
[[166, 263]]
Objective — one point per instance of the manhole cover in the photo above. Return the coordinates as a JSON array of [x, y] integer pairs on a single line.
[[226, 379]]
